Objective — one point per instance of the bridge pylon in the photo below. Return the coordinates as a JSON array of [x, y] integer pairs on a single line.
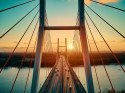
[[38, 55], [58, 48], [82, 30], [85, 53]]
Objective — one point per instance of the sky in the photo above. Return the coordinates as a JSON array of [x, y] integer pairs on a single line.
[[62, 12]]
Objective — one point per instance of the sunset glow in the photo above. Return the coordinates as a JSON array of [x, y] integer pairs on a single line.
[[70, 47], [62, 46]]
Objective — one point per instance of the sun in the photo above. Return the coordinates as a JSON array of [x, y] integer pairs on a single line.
[[70, 47]]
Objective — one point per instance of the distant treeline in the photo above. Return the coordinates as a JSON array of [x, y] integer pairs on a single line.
[[49, 59], [76, 59], [111, 91]]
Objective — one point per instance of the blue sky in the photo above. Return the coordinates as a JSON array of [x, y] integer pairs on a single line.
[[61, 12]]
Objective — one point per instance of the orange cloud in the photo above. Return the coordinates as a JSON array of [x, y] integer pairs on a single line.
[[88, 1], [102, 1], [108, 1]]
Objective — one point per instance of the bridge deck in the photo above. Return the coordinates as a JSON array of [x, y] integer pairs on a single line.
[[62, 79]]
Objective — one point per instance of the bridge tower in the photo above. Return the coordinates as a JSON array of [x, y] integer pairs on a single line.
[[38, 55], [58, 47], [84, 47], [82, 30]]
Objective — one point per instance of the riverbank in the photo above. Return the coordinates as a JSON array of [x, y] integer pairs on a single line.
[[49, 59]]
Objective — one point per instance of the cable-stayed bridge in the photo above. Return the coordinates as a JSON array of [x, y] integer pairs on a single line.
[[62, 78]]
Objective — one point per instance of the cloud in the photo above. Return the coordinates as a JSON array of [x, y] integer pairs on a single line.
[[122, 40], [109, 41], [20, 42], [88, 1], [102, 1], [108, 1]]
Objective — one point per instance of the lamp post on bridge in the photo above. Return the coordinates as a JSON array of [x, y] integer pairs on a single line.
[[84, 47], [38, 55]]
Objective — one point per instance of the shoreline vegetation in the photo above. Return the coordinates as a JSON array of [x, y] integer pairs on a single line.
[[111, 91], [49, 59]]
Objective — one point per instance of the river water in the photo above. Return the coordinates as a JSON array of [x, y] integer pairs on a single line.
[[117, 77]]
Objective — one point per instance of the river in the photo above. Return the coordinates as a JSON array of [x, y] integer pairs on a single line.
[[117, 77]]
